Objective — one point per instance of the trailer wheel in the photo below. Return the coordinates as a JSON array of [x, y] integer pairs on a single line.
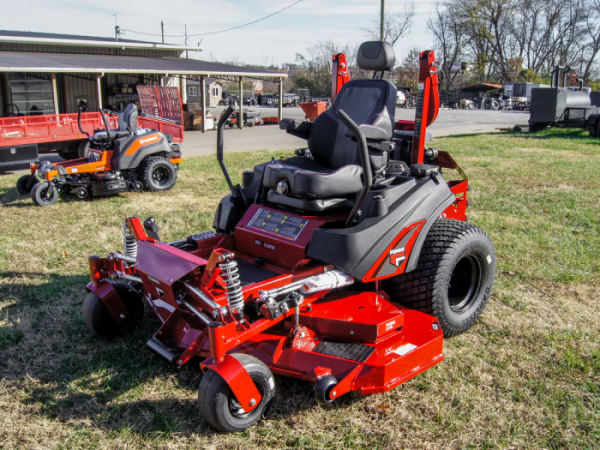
[[98, 319], [158, 174], [219, 406], [454, 277], [44, 193], [26, 183]]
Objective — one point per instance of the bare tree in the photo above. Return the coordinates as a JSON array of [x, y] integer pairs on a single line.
[[396, 25], [450, 36], [316, 60]]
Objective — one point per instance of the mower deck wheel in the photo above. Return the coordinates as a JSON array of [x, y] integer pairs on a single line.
[[454, 277], [26, 183], [99, 320], [44, 194], [219, 406], [158, 174], [323, 389]]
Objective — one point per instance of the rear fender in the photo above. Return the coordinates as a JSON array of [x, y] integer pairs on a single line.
[[138, 148], [111, 299]]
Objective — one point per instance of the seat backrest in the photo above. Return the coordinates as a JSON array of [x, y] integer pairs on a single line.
[[128, 118], [371, 102]]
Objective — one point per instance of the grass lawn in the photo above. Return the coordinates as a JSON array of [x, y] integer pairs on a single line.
[[527, 375]]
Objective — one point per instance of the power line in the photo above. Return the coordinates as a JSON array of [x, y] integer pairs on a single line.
[[216, 32]]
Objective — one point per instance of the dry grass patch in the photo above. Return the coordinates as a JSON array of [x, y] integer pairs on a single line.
[[526, 376]]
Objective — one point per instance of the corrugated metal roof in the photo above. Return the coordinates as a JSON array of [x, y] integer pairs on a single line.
[[29, 37], [34, 34], [73, 63]]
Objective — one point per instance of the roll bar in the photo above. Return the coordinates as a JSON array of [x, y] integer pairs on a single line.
[[365, 162], [236, 191], [220, 127], [105, 125], [80, 108]]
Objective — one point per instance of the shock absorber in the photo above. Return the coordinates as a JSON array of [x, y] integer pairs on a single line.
[[130, 245], [231, 276]]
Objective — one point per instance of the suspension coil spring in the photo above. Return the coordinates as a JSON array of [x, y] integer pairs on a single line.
[[235, 297], [130, 246]]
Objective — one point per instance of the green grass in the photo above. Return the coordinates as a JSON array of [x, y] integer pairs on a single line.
[[526, 376]]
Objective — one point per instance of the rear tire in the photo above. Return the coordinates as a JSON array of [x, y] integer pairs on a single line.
[[83, 149], [26, 183], [44, 194], [219, 406], [454, 277], [98, 319], [158, 174]]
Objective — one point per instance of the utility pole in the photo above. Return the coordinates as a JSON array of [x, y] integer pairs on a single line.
[[382, 34], [186, 52], [117, 28], [162, 30]]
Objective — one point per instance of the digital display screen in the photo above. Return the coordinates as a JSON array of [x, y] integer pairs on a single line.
[[277, 223]]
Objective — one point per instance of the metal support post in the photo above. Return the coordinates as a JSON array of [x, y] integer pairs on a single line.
[[280, 102], [203, 101], [241, 101]]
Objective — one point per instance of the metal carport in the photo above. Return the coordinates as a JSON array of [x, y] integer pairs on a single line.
[[99, 65]]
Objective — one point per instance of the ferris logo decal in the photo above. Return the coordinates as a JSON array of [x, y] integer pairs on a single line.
[[264, 244], [150, 139], [397, 256], [154, 280], [160, 292]]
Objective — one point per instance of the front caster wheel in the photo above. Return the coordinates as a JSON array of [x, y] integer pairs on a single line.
[[26, 183], [99, 320], [44, 194], [219, 406], [323, 389], [454, 277]]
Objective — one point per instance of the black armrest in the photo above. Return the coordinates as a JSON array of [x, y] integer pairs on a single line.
[[296, 128]]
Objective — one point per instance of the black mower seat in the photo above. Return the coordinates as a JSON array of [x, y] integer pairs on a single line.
[[335, 175], [127, 125], [307, 178]]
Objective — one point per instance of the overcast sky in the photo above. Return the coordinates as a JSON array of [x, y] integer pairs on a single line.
[[274, 40]]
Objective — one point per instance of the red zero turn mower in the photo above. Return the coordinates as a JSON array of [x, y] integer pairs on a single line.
[[337, 266]]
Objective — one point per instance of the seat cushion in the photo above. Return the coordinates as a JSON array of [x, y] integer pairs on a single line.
[[307, 178]]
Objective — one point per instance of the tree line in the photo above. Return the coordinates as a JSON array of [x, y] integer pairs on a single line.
[[479, 41], [515, 40]]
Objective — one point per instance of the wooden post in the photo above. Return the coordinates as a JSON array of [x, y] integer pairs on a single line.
[[241, 100], [54, 93], [203, 101], [99, 90], [280, 102]]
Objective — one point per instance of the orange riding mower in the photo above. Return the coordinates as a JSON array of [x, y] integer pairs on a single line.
[[126, 159]]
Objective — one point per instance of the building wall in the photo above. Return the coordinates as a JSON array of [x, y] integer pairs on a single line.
[[72, 89]]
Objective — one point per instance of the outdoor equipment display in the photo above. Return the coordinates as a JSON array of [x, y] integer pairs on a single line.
[[339, 266], [558, 105], [23, 138], [119, 160]]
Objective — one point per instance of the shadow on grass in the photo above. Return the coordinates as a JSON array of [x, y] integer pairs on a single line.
[[61, 371]]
